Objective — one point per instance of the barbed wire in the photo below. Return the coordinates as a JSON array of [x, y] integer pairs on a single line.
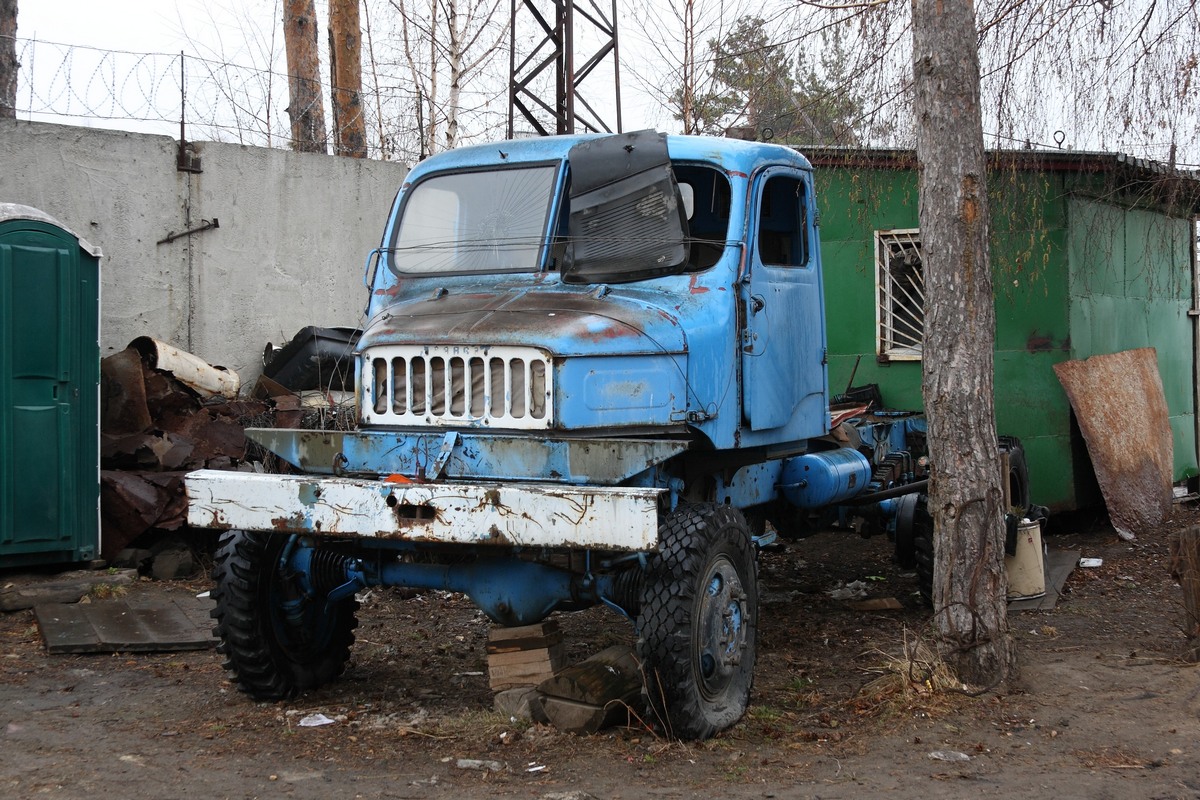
[[230, 102], [216, 100]]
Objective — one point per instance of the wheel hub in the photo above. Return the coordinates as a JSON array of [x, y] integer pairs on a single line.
[[722, 627]]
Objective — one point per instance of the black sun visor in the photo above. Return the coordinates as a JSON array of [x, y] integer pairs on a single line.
[[627, 218]]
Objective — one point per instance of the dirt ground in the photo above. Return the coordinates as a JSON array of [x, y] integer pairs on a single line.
[[1103, 707]]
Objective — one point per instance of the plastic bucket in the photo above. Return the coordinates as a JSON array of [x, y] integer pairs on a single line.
[[1026, 569]]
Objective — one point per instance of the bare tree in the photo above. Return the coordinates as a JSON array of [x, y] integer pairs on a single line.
[[306, 105], [8, 59], [345, 68], [1111, 76], [226, 100], [966, 498], [680, 76], [447, 45]]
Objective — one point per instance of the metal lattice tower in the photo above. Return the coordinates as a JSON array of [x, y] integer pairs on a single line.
[[554, 55]]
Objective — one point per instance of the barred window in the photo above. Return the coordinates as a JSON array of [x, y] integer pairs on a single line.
[[900, 295]]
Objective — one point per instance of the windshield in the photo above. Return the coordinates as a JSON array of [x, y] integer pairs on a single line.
[[486, 221]]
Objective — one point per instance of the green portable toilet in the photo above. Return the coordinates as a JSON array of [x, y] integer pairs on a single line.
[[49, 391]]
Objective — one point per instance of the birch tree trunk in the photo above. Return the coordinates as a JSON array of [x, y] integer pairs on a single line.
[[8, 59], [687, 91], [965, 498], [345, 68], [432, 96], [455, 57], [305, 103]]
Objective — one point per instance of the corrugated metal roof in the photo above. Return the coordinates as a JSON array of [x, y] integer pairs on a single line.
[[1172, 185]]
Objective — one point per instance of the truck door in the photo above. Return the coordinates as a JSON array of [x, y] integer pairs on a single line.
[[783, 342]]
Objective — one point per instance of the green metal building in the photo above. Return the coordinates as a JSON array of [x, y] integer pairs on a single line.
[[1092, 253]]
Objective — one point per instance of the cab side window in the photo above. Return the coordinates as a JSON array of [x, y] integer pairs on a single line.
[[708, 218], [783, 222]]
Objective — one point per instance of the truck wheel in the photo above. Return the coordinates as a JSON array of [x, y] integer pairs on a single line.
[[922, 546], [278, 639], [696, 625], [906, 517], [922, 523], [1018, 472]]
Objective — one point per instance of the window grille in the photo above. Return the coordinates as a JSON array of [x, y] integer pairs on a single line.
[[900, 295]]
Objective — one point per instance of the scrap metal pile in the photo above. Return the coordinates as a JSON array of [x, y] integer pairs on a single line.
[[165, 412]]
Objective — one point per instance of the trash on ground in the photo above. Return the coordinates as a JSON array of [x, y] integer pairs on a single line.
[[855, 590], [480, 764], [315, 721], [1090, 563], [949, 755]]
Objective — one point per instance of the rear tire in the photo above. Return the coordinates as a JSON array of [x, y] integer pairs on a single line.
[[922, 544], [273, 654], [697, 621], [922, 521], [1018, 473]]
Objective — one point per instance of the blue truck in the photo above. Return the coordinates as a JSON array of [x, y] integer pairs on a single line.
[[593, 372]]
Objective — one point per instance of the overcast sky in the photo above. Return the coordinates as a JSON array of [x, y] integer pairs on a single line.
[[224, 30], [138, 25], [216, 29]]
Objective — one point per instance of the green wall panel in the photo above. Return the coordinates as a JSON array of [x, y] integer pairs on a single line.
[[1145, 305], [1073, 277], [1183, 433]]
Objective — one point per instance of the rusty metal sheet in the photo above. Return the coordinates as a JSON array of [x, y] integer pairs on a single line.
[[133, 502], [1122, 412], [123, 394], [216, 436]]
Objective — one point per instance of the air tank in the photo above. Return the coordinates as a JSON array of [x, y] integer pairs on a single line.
[[819, 479]]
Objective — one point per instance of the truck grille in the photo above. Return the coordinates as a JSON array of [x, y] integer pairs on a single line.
[[503, 387]]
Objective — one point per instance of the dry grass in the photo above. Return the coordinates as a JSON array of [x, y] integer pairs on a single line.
[[1113, 758], [915, 679]]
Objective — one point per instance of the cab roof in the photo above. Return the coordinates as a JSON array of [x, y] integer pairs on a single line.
[[733, 155]]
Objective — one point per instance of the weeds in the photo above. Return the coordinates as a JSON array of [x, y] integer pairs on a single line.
[[108, 591]]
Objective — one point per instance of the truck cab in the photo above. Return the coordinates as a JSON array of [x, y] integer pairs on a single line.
[[593, 372]]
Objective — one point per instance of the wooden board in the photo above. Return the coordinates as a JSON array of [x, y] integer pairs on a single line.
[[525, 643], [501, 633], [24, 592], [555, 655], [112, 626]]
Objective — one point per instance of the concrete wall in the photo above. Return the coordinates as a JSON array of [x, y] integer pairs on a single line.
[[295, 230]]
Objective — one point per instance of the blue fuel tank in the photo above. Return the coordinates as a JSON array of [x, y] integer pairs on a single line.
[[819, 479]]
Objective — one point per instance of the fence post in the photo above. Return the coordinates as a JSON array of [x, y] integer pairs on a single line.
[[1185, 568]]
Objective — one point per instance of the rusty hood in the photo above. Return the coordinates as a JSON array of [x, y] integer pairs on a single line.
[[564, 322]]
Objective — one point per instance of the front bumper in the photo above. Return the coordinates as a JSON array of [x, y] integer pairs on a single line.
[[525, 515]]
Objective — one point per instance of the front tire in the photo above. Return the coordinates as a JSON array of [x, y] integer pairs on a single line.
[[697, 621], [278, 639]]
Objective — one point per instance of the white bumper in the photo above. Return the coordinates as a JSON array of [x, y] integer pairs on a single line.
[[602, 518]]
